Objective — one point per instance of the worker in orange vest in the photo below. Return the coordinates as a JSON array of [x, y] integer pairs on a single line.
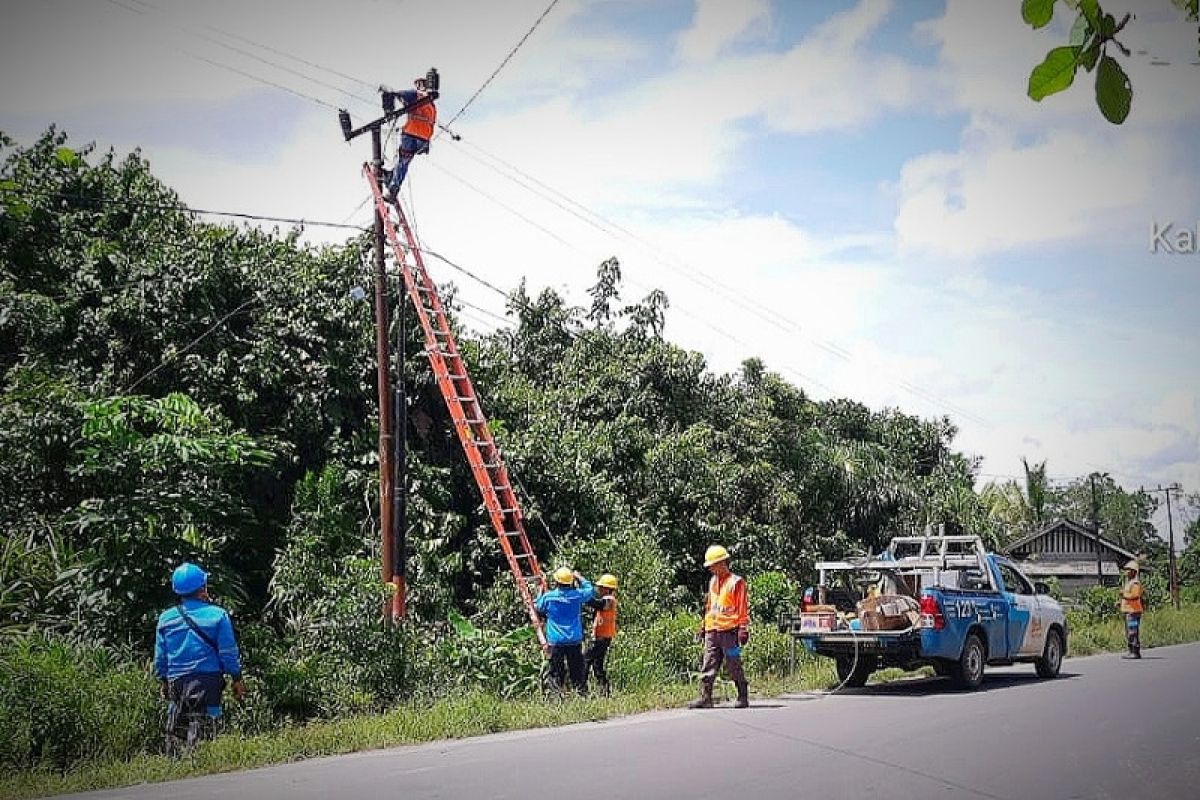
[[725, 629], [418, 129], [1131, 606], [604, 630]]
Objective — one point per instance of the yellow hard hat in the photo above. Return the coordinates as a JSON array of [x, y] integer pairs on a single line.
[[564, 575], [714, 554], [1133, 565], [607, 581]]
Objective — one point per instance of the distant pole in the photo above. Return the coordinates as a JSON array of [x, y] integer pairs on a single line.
[[1172, 579], [1171, 544], [1096, 530]]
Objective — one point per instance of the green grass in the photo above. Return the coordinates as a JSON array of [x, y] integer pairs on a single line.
[[1160, 628], [478, 714]]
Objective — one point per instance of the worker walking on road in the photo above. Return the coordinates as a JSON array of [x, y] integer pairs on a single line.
[[418, 129], [194, 648], [604, 630], [1131, 606], [725, 630], [562, 609]]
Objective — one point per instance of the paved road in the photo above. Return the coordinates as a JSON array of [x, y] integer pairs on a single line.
[[1106, 728]]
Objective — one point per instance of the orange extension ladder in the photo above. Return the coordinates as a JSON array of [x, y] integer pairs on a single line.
[[450, 371]]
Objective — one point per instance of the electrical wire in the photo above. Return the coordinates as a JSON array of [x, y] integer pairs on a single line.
[[29, 193], [696, 276], [706, 281], [507, 58], [192, 343], [506, 207]]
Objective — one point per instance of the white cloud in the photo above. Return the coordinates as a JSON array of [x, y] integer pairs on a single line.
[[996, 195], [716, 24]]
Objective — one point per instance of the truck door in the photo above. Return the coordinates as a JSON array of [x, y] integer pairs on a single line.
[[1026, 634]]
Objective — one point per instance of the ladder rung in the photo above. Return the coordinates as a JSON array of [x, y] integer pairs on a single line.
[[509, 510], [475, 420]]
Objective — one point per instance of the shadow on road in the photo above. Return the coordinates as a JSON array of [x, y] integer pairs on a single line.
[[923, 687]]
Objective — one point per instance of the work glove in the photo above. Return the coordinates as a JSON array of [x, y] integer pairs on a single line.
[[700, 634], [163, 690], [239, 689], [743, 635]]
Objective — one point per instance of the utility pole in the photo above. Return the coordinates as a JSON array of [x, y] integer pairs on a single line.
[[400, 553], [387, 472], [392, 504], [1173, 578], [1096, 530]]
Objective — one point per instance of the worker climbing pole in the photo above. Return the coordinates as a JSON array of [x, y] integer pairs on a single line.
[[454, 383]]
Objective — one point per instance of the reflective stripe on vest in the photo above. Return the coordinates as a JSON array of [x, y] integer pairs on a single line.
[[420, 121], [722, 611]]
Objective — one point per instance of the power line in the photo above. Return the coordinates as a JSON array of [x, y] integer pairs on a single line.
[[506, 207], [764, 313], [507, 58], [192, 343], [242, 215], [236, 70], [29, 193], [706, 281]]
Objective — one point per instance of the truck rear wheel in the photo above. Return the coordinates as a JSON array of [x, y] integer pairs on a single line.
[[1051, 661], [851, 674], [968, 671]]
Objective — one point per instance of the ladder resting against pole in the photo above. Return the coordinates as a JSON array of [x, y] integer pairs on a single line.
[[450, 372]]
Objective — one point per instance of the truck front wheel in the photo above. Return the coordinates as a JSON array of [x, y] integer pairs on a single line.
[[968, 671], [851, 674]]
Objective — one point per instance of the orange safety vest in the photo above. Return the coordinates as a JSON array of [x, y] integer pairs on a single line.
[[725, 607], [420, 121], [1131, 597], [606, 620]]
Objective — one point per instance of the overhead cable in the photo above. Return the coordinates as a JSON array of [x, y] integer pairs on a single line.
[[507, 58]]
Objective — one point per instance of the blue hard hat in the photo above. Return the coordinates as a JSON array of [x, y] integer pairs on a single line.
[[188, 578]]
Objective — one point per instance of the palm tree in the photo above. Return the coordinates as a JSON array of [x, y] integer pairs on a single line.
[[1037, 490]]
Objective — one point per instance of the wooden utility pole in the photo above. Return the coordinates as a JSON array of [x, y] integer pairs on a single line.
[[1096, 530], [393, 504], [1173, 578], [387, 472]]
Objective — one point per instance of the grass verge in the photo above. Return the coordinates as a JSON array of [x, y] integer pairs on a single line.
[[478, 714]]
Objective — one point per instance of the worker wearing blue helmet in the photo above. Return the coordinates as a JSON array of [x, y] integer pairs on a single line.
[[194, 645]]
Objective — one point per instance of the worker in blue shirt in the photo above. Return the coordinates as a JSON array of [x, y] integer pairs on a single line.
[[194, 645], [562, 609]]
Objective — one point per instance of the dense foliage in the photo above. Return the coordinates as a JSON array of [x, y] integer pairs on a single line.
[[171, 388]]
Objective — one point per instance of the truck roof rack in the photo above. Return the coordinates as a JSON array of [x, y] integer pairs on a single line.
[[920, 554]]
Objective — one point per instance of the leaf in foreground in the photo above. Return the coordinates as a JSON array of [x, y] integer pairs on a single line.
[[1114, 95], [1054, 74]]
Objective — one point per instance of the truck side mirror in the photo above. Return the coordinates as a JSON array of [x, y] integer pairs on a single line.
[[1041, 588]]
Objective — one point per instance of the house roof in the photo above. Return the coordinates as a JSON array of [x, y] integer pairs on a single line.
[[1067, 569], [1074, 527]]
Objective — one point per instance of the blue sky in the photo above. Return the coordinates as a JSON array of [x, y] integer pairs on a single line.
[[862, 177]]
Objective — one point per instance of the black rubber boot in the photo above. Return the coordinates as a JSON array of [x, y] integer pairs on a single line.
[[743, 696], [705, 698]]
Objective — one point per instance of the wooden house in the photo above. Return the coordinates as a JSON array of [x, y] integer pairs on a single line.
[[1072, 554]]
